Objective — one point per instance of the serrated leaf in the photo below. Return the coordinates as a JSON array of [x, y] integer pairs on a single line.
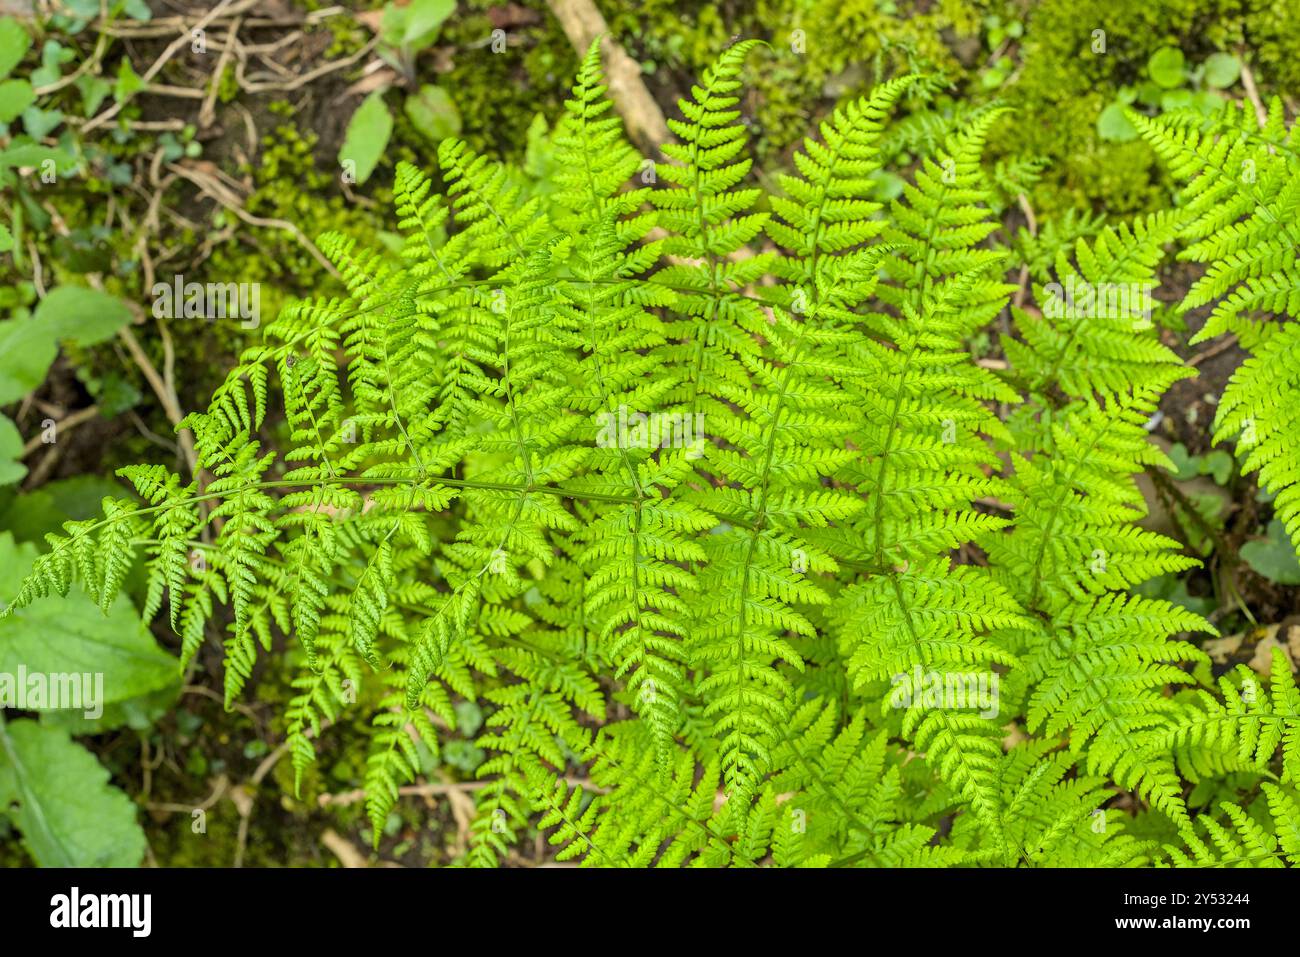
[[62, 802]]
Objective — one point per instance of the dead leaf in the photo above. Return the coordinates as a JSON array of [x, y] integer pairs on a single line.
[[370, 19], [374, 80], [512, 15], [1222, 649], [1263, 659]]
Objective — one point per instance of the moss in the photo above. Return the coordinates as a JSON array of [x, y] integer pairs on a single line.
[[499, 94], [290, 186], [1057, 86], [348, 36], [819, 50], [228, 85], [1063, 85], [1274, 35]]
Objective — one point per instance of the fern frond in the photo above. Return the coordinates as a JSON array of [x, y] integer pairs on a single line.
[[1242, 195], [1093, 331]]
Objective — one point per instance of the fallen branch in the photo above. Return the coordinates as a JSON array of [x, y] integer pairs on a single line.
[[582, 23], [343, 849], [61, 427], [1252, 92], [214, 188]]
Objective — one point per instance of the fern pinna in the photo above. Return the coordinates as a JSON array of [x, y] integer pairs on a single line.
[[695, 488]]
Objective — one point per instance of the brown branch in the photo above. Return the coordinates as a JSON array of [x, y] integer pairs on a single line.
[[582, 23], [64, 425], [1252, 92], [101, 118], [213, 187]]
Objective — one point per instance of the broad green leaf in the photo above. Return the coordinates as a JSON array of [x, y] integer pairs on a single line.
[[416, 25], [32, 515], [40, 123], [86, 316], [93, 89], [367, 136], [15, 96], [137, 10], [1185, 464], [1275, 557], [62, 802], [423, 18], [11, 449], [53, 56], [81, 9], [138, 713], [1208, 102], [1218, 465], [6, 239], [1114, 126], [433, 113], [34, 154], [14, 42], [1167, 67], [1222, 70], [128, 82], [26, 350], [1149, 93], [392, 24], [71, 634], [888, 185]]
